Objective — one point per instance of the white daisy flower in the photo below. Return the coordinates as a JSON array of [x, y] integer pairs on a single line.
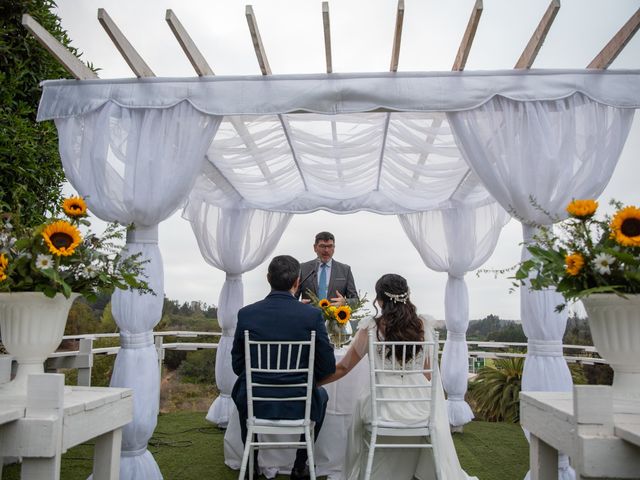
[[603, 262], [44, 261], [90, 271]]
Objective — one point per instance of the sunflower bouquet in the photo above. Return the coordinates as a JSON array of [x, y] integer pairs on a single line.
[[55, 257], [337, 318], [587, 255]]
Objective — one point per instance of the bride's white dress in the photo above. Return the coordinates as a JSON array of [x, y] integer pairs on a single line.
[[399, 463]]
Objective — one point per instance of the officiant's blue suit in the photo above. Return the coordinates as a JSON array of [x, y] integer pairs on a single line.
[[281, 317]]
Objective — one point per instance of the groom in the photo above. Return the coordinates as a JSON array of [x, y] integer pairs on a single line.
[[281, 317]]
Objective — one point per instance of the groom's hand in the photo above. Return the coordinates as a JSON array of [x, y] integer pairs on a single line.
[[305, 300], [338, 300]]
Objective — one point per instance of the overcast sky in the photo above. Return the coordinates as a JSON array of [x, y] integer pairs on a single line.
[[362, 34]]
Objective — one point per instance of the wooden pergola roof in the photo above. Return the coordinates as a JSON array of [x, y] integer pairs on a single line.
[[140, 68]]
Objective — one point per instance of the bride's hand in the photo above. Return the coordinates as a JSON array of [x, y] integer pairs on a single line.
[[338, 300]]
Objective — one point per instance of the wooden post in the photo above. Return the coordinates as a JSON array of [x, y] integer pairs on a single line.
[[5, 369], [85, 350], [68, 60], [327, 36], [130, 55], [612, 49], [397, 37], [537, 39], [45, 401], [543, 459], [106, 457], [467, 39]]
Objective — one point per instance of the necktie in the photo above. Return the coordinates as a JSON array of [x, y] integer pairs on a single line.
[[322, 282]]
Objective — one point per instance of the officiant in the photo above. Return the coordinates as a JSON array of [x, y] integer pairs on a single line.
[[326, 277]]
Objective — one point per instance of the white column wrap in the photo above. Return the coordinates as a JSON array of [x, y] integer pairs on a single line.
[[455, 240], [534, 157], [235, 241]]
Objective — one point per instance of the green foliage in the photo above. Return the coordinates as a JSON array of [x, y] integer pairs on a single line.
[[495, 391], [31, 174], [198, 367]]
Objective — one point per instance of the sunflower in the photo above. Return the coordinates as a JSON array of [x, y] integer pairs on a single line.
[[61, 237], [574, 263], [4, 261], [3, 276], [343, 314], [324, 303], [582, 208], [74, 207], [625, 227]]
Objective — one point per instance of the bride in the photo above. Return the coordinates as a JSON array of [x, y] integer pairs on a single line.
[[397, 320]]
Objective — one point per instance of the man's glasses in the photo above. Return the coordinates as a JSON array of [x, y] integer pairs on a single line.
[[325, 246]]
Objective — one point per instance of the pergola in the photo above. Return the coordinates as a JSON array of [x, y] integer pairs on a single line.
[[453, 154]]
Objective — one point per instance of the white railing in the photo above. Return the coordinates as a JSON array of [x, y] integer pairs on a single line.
[[82, 359]]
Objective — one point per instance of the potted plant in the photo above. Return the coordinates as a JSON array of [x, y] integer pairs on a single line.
[[43, 269], [597, 261]]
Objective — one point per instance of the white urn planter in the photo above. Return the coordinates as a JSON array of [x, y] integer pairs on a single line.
[[31, 326], [615, 328]]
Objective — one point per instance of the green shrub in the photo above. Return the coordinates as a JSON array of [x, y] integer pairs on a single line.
[[198, 367]]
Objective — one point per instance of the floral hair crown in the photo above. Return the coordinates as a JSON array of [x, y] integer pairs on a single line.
[[398, 297]]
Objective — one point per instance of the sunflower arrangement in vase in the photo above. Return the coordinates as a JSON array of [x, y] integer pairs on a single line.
[[56, 257], [587, 255], [337, 318]]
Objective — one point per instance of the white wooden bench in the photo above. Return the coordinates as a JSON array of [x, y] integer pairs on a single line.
[[582, 424], [49, 420]]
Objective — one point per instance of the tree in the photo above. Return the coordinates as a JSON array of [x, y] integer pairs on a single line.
[[31, 174]]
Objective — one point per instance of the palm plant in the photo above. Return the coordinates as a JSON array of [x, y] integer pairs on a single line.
[[495, 390]]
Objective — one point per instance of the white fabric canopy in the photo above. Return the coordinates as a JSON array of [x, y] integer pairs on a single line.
[[378, 142], [136, 166], [534, 158], [234, 241], [456, 240]]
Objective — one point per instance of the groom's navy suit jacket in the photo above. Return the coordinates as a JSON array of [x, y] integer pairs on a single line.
[[281, 317]]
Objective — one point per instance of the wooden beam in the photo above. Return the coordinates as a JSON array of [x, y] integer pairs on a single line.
[[612, 49], [327, 36], [68, 60], [257, 41], [467, 38], [397, 37], [196, 58], [133, 59], [537, 39]]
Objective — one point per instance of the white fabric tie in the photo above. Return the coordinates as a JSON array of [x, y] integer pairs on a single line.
[[455, 398], [545, 348], [133, 453], [233, 276], [136, 340], [143, 235], [456, 336]]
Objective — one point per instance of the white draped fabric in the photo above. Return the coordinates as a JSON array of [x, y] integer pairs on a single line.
[[534, 158], [456, 240], [234, 241], [344, 143], [136, 167]]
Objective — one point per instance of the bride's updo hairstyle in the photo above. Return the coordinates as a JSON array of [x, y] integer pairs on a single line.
[[397, 317]]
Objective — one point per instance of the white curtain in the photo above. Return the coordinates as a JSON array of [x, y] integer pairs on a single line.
[[136, 167], [534, 158], [456, 240], [234, 241]]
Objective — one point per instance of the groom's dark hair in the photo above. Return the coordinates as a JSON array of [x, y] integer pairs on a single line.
[[283, 272]]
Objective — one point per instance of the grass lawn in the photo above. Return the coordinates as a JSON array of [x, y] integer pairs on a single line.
[[187, 447]]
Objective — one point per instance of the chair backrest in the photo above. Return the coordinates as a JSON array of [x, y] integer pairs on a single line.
[[387, 371], [276, 365]]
